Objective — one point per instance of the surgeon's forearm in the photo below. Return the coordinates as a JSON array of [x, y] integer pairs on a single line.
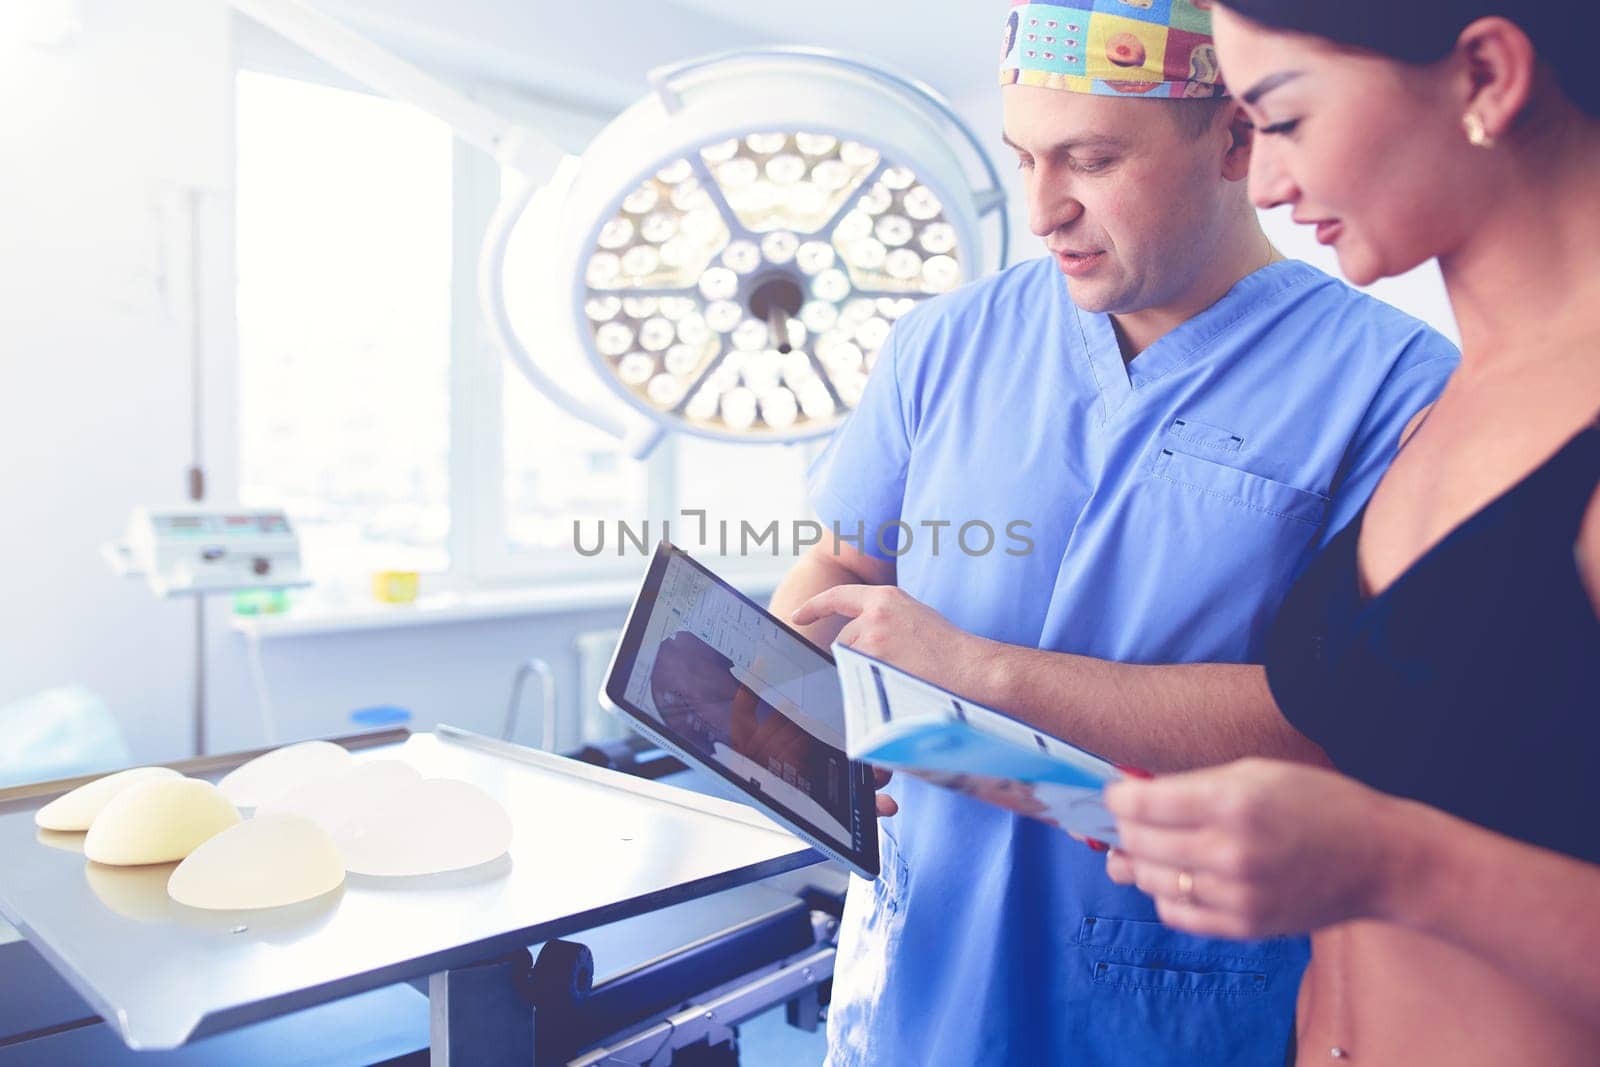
[[1161, 718]]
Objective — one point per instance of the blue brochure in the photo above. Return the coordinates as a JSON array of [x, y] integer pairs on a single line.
[[897, 720]]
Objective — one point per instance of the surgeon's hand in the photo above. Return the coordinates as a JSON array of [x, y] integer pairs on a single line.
[[886, 805], [890, 624], [1257, 848]]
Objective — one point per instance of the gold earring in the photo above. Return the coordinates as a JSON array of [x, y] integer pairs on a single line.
[[1477, 135]]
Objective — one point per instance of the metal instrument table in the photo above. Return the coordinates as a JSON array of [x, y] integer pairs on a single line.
[[590, 847]]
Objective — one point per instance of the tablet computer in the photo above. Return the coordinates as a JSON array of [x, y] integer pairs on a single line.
[[706, 672]]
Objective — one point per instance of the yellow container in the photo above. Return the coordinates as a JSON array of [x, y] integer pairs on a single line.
[[395, 587]]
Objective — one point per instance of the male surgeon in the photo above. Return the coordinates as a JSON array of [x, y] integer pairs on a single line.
[[1160, 422]]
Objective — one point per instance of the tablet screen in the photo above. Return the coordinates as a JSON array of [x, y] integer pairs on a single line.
[[740, 693]]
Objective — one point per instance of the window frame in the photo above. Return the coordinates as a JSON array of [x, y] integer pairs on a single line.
[[478, 537]]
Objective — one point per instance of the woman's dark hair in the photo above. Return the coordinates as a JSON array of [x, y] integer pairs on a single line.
[[1564, 32]]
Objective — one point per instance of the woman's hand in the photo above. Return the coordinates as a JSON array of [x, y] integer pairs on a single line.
[[1257, 848]]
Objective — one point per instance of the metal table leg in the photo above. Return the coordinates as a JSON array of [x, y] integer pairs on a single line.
[[481, 1015]]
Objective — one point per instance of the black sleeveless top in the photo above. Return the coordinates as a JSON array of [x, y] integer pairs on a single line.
[[1472, 683]]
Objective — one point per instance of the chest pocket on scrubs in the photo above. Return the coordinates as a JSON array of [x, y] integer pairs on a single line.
[[1230, 541], [1204, 435], [1238, 488]]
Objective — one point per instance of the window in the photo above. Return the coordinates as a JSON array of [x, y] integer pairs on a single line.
[[737, 484], [376, 411], [344, 238], [559, 470]]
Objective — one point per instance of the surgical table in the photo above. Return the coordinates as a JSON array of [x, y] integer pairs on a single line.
[[666, 917]]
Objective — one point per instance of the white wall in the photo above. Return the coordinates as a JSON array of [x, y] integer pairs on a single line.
[[98, 137], [459, 673]]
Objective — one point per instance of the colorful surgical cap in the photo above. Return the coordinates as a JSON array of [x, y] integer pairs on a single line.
[[1152, 48]]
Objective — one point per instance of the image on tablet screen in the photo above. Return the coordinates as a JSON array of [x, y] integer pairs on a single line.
[[746, 693]]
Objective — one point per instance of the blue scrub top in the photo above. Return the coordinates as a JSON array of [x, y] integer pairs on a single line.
[[1150, 512]]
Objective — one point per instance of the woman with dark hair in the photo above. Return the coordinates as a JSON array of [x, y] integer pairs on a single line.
[[1444, 650]]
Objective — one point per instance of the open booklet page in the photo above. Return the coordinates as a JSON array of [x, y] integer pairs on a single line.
[[897, 720]]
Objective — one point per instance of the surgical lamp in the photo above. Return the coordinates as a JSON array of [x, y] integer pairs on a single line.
[[730, 252]]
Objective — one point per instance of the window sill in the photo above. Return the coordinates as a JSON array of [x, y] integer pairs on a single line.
[[437, 609]]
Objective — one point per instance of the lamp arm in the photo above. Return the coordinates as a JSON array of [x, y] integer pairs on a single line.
[[372, 65]]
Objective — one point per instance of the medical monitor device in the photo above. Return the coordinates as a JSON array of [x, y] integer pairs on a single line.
[[704, 671], [199, 549]]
